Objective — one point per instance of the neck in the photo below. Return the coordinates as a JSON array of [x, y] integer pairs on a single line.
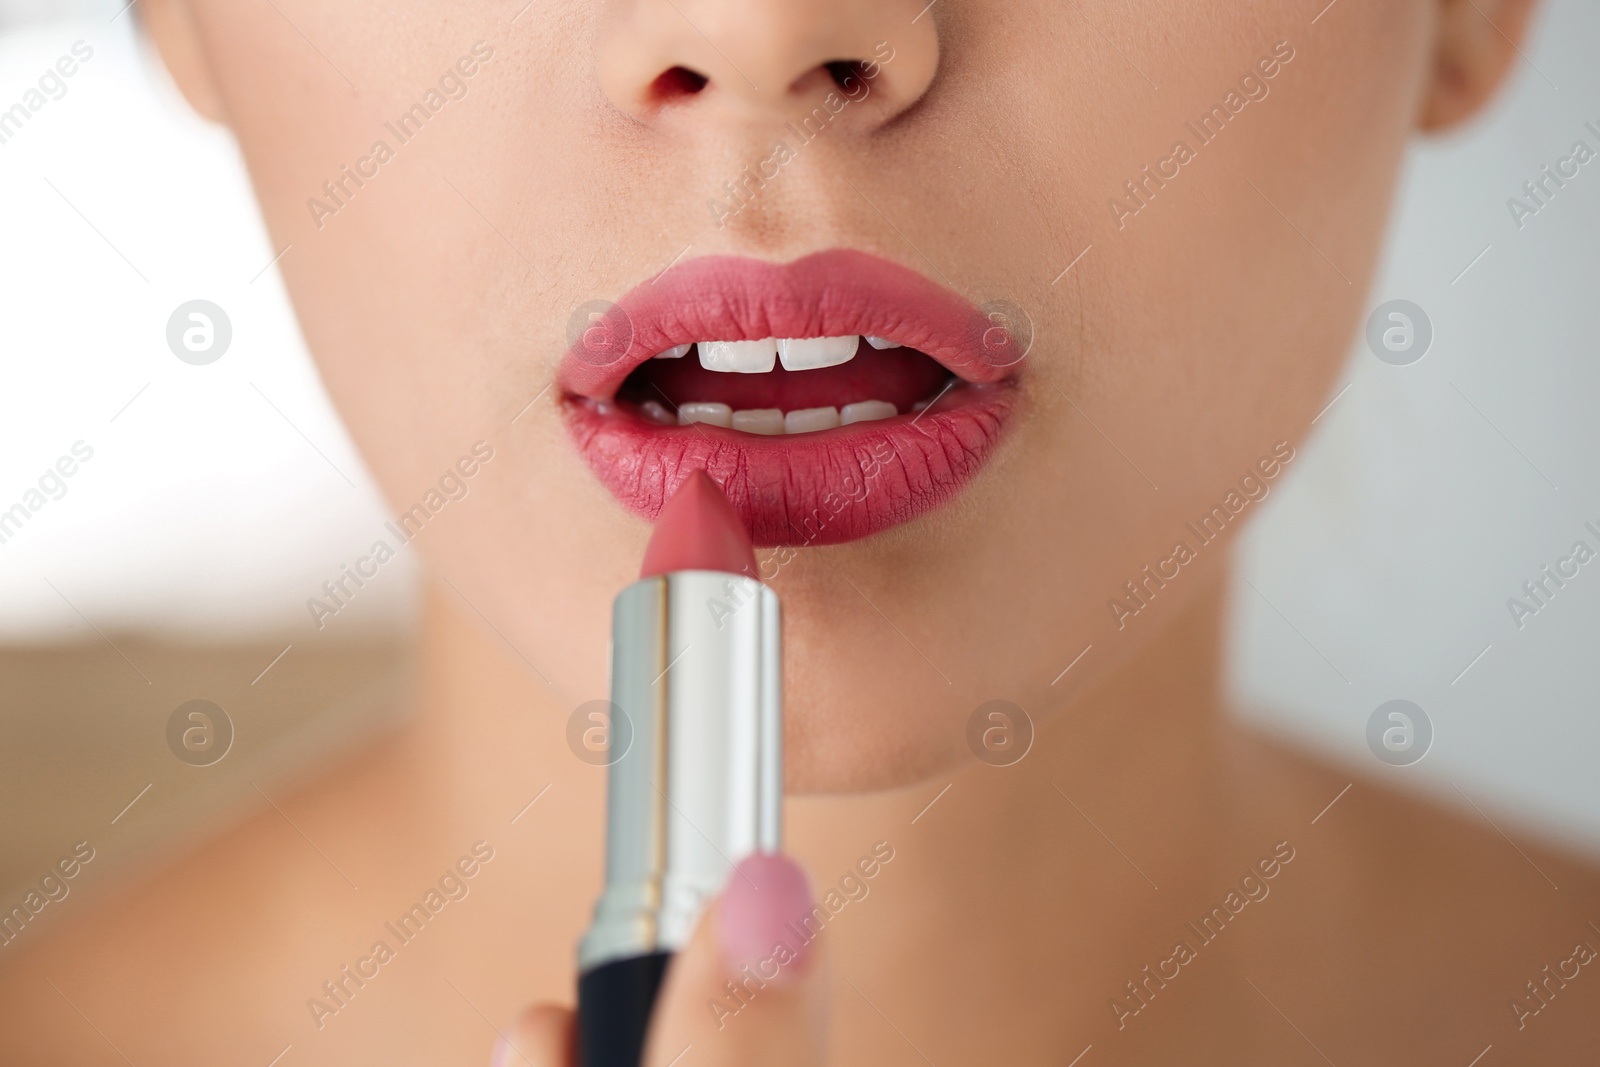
[[1080, 852], [1038, 890]]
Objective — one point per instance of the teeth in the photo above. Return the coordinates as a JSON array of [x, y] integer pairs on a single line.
[[759, 357], [711, 414], [739, 357], [771, 421], [657, 413], [866, 411], [809, 353], [759, 420], [810, 420]]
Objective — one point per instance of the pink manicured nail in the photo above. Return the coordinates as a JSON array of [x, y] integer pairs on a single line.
[[762, 916]]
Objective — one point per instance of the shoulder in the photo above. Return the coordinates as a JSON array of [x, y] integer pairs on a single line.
[[1429, 923]]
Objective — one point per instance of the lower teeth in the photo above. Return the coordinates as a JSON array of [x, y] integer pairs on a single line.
[[655, 412], [773, 421], [767, 421]]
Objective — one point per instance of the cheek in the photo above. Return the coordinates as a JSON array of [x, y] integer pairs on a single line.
[[433, 293], [1208, 321]]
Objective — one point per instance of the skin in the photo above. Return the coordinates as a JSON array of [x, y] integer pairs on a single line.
[[1198, 334]]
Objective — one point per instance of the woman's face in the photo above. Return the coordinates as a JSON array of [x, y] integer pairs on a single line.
[[1174, 207]]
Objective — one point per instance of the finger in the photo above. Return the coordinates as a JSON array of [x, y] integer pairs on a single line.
[[542, 1036], [750, 985]]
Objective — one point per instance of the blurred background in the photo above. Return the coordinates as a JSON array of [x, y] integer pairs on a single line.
[[207, 503]]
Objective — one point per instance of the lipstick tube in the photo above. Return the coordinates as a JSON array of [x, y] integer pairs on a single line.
[[696, 668]]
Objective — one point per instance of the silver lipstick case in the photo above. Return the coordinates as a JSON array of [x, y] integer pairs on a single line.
[[696, 666]]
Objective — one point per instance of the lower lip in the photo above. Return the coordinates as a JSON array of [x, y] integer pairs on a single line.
[[819, 488]]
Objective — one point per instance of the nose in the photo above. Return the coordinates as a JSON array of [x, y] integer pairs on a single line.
[[760, 59]]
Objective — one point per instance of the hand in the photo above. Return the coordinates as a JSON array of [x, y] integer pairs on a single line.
[[773, 1013]]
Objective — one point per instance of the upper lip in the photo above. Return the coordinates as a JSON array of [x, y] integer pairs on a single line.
[[825, 294]]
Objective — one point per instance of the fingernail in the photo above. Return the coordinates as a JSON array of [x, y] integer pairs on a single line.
[[502, 1053], [762, 917]]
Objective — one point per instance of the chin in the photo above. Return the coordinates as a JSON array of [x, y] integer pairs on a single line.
[[862, 728], [844, 753]]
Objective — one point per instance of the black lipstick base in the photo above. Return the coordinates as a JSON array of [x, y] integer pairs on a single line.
[[614, 1002]]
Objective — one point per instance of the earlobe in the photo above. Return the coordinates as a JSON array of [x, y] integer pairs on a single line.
[[1477, 45], [172, 28]]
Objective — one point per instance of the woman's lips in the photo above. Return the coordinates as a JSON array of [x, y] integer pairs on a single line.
[[800, 488], [826, 294], [811, 489]]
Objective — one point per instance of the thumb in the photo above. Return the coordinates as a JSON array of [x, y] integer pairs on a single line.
[[750, 986], [542, 1036]]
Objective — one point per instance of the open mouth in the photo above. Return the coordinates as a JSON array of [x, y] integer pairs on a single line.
[[776, 386], [830, 397]]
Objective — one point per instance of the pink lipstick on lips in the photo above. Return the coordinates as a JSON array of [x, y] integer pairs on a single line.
[[853, 387]]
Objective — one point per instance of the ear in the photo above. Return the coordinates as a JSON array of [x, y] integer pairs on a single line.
[[1477, 43], [172, 28]]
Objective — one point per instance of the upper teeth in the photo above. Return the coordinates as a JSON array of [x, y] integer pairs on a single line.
[[758, 357], [808, 353], [739, 357]]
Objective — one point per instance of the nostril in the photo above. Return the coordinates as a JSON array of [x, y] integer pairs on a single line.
[[676, 83], [847, 73]]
